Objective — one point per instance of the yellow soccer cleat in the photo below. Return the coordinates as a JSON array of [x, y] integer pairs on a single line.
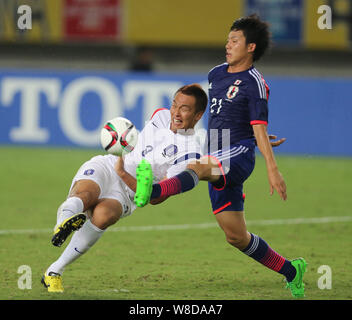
[[53, 282], [69, 225]]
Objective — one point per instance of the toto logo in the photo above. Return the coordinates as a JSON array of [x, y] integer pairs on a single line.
[[58, 109]]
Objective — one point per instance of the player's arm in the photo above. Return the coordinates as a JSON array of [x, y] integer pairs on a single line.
[[128, 179], [275, 178], [131, 181]]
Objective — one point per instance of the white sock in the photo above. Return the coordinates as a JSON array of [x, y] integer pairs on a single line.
[[80, 242], [70, 207]]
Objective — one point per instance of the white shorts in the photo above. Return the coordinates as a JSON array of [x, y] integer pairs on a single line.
[[100, 169]]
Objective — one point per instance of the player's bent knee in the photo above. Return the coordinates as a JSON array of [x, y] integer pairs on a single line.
[[103, 217], [111, 217], [88, 191]]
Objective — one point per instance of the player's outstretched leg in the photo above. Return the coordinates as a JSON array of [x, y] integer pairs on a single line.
[[144, 176], [63, 230], [146, 190], [296, 285]]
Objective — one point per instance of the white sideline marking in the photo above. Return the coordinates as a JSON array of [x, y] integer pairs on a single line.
[[199, 225]]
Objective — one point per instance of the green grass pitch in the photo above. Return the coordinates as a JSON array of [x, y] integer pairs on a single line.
[[190, 262]]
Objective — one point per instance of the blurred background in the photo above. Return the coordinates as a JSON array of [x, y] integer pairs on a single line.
[[67, 66]]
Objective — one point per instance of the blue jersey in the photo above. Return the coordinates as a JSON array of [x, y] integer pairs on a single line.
[[237, 101]]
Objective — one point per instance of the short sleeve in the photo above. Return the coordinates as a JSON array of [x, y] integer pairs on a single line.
[[258, 93], [161, 118], [258, 110], [156, 111]]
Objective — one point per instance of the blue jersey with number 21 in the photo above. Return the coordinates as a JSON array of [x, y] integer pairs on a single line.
[[237, 101]]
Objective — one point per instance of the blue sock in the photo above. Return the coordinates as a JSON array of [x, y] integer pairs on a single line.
[[184, 181], [259, 250]]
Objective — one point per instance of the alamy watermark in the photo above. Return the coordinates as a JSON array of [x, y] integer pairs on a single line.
[[325, 281], [24, 21], [25, 280], [325, 20]]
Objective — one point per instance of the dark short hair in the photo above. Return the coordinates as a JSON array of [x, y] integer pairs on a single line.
[[255, 31], [196, 91]]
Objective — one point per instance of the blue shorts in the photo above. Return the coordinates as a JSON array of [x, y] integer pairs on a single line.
[[237, 164]]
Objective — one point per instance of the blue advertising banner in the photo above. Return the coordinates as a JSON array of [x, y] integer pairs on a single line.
[[285, 18], [64, 108], [69, 108], [314, 115]]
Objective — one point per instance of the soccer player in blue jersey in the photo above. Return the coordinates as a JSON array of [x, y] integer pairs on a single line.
[[238, 118]]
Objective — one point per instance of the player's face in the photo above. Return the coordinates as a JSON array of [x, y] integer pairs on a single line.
[[183, 112], [237, 50]]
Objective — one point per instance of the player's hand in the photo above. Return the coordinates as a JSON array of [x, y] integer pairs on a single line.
[[277, 182], [276, 143]]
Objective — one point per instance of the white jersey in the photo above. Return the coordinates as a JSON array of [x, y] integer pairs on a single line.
[[167, 152]]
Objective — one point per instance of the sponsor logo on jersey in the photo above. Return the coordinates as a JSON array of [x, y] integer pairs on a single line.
[[147, 149], [170, 150], [89, 172]]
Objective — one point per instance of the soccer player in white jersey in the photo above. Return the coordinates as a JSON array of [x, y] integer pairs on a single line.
[[103, 188]]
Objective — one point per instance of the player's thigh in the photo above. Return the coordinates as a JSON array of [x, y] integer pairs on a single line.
[[87, 190], [207, 168], [92, 180], [234, 226], [106, 213]]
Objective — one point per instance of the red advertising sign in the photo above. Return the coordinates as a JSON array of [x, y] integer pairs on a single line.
[[91, 19]]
